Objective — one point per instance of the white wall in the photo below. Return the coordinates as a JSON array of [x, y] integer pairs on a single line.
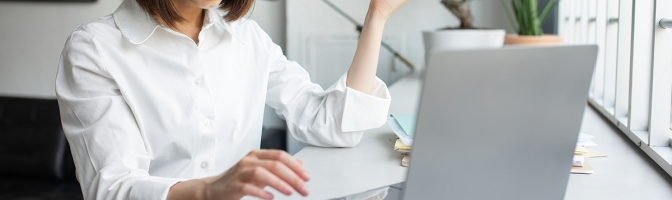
[[316, 32], [32, 35], [271, 17]]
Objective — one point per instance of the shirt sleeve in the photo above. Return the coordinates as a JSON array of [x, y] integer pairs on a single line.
[[108, 148], [335, 117]]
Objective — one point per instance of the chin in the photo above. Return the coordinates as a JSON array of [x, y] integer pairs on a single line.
[[207, 4]]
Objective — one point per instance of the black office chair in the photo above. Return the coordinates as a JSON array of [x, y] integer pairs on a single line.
[[35, 159]]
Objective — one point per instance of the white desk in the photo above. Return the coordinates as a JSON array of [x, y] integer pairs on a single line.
[[336, 172]]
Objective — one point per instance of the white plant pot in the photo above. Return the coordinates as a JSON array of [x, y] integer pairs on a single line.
[[462, 39]]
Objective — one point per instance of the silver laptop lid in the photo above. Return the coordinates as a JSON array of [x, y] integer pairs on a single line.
[[499, 123]]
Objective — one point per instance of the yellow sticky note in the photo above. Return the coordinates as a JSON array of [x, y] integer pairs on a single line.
[[580, 150], [399, 145]]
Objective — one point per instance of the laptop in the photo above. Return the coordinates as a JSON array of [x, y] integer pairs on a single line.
[[499, 123]]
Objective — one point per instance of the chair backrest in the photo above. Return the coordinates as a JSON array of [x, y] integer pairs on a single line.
[[32, 143]]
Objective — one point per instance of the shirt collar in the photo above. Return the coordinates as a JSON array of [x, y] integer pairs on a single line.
[[136, 25]]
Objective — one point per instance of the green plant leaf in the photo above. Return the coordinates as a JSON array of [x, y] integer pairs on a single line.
[[527, 15], [508, 14], [547, 10], [517, 8], [536, 24], [531, 15]]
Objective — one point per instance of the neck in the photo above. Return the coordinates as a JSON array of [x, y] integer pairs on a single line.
[[191, 13], [193, 19]]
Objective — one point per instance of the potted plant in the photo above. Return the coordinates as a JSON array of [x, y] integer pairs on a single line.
[[465, 36], [528, 24]]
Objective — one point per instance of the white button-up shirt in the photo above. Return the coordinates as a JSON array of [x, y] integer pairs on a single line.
[[144, 106]]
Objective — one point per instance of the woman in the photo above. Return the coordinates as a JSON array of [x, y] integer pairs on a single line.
[[165, 99]]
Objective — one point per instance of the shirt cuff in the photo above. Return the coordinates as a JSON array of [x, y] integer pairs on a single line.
[[362, 111], [152, 187]]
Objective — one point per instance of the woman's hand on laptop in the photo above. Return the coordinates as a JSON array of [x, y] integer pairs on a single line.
[[260, 168]]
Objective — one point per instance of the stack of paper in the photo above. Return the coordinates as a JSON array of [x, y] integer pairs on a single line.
[[585, 140], [401, 147], [586, 168], [403, 125], [404, 150], [579, 158], [581, 154]]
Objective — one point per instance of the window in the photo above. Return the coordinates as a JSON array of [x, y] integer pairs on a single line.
[[610, 52], [632, 81], [596, 33], [661, 83], [622, 101]]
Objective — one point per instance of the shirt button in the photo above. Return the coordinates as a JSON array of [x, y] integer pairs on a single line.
[[198, 81], [204, 165], [206, 122]]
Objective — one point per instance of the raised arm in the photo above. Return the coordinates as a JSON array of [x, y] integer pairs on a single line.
[[362, 72]]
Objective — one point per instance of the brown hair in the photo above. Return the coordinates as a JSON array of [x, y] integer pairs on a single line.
[[166, 10]]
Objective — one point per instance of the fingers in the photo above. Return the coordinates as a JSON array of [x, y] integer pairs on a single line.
[[282, 166], [253, 190], [288, 176], [262, 177], [257, 170], [287, 159]]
